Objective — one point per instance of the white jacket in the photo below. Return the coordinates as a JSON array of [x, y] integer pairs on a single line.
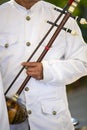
[[65, 62]]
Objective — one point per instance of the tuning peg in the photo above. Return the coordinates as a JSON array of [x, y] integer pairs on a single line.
[[83, 21], [80, 20], [73, 32]]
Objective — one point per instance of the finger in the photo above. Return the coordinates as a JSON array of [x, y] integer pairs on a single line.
[[29, 64], [34, 74], [31, 69]]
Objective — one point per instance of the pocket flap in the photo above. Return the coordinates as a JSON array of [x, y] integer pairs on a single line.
[[7, 40], [53, 106]]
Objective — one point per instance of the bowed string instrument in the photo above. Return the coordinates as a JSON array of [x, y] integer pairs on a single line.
[[17, 112]]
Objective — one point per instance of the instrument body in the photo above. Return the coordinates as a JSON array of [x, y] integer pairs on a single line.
[[16, 111]]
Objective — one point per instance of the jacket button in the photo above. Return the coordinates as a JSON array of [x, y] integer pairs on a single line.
[[29, 112], [54, 112], [26, 89], [27, 18], [28, 43], [6, 45]]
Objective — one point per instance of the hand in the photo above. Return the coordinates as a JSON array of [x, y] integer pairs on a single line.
[[34, 69]]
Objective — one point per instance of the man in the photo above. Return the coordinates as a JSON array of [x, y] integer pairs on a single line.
[[23, 25]]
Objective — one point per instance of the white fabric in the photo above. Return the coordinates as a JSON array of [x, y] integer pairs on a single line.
[[65, 62]]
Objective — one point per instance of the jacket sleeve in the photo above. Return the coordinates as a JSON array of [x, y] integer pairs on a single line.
[[4, 123], [73, 66]]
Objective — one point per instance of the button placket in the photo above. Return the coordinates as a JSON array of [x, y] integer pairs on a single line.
[[28, 13], [27, 26]]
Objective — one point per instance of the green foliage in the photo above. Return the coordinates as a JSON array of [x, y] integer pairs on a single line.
[[2, 1]]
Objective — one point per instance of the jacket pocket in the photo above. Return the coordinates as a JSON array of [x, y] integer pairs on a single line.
[[53, 107], [7, 41]]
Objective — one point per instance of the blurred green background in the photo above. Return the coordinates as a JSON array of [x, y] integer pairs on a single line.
[[80, 11]]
